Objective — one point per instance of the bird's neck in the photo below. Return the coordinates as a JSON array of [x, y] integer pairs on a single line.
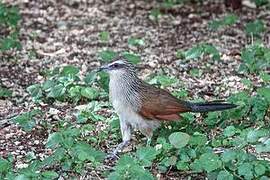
[[125, 87]]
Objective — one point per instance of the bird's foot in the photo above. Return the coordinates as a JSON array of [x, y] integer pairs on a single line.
[[148, 142], [113, 155]]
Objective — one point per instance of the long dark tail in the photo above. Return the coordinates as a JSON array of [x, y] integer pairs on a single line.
[[210, 106]]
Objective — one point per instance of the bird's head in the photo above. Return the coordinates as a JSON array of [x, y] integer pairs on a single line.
[[118, 66]]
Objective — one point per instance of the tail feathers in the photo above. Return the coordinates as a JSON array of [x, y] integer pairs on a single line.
[[211, 106]]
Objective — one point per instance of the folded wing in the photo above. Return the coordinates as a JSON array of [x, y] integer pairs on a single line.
[[158, 104]]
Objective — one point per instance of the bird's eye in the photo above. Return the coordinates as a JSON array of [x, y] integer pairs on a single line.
[[116, 65]]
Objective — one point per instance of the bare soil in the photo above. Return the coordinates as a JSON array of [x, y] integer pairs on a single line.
[[57, 33]]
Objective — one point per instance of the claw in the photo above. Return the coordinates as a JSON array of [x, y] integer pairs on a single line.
[[114, 155]]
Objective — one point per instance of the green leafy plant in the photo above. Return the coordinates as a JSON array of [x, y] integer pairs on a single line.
[[70, 152], [179, 139], [260, 2], [256, 58], [163, 80], [199, 50], [255, 28], [146, 155], [4, 92], [107, 55], [27, 120], [228, 20], [131, 57], [5, 167], [104, 36], [128, 168], [9, 18], [32, 171], [155, 14], [73, 152], [136, 42], [65, 85]]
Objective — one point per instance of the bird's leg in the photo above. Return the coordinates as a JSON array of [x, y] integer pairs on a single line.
[[126, 136], [148, 142], [148, 132]]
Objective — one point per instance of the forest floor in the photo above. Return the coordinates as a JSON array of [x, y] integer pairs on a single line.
[[58, 33]]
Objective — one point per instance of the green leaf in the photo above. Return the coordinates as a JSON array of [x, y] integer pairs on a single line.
[[224, 175], [57, 91], [90, 77], [265, 92], [228, 156], [196, 72], [89, 93], [260, 2], [58, 155], [254, 134], [179, 139], [69, 70], [212, 118], [198, 139], [169, 161], [49, 175], [180, 54], [255, 27], [104, 36], [259, 169], [264, 178], [255, 58], [181, 93], [128, 168], [155, 14], [35, 90], [27, 120], [201, 49], [246, 170], [163, 80], [133, 58], [265, 147], [210, 162], [4, 166], [183, 166], [10, 42], [49, 84], [215, 24], [21, 177], [107, 55], [259, 108], [4, 92], [104, 81], [229, 131], [265, 77], [194, 52], [228, 20], [75, 92], [212, 50], [54, 140], [136, 42], [146, 155], [9, 15], [85, 152]]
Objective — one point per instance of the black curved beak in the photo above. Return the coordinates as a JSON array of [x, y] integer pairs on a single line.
[[103, 68]]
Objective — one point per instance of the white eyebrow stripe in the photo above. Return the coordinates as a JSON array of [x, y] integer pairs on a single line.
[[117, 62]]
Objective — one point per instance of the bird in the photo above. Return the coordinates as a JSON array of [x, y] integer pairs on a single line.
[[143, 106]]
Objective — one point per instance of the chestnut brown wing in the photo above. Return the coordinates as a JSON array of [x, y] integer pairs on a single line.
[[160, 104]]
